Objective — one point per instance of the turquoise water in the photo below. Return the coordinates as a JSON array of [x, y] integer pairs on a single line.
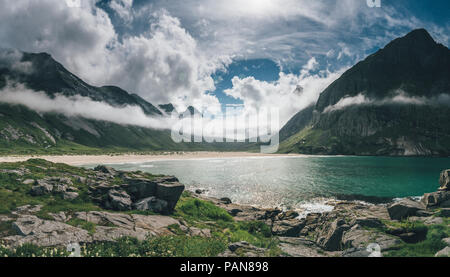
[[294, 181]]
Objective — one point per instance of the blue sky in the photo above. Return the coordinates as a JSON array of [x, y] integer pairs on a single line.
[[211, 53]]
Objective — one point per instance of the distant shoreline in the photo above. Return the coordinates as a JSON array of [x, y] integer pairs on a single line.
[[136, 158]]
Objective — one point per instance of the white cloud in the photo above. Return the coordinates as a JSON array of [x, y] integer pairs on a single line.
[[78, 106], [163, 64], [12, 59], [400, 97], [282, 93], [123, 9]]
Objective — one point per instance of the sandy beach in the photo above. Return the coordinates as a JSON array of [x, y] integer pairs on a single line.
[[136, 158]]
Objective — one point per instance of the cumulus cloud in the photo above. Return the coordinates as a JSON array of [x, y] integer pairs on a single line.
[[162, 64], [400, 97], [79, 106], [284, 93]]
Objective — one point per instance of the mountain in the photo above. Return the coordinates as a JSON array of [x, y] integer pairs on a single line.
[[395, 102], [25, 131], [167, 108]]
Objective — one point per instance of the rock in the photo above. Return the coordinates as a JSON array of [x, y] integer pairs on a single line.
[[234, 212], [155, 225], [118, 200], [288, 228], [331, 236], [359, 238], [288, 215], [61, 216], [199, 232], [433, 220], [436, 199], [104, 233], [27, 209], [200, 191], [139, 188], [300, 247], [152, 204], [367, 222], [423, 213], [59, 188], [404, 209], [444, 252], [225, 200], [272, 213], [70, 195], [444, 180], [446, 241], [41, 189], [169, 192], [413, 237], [28, 182], [40, 232], [243, 248], [105, 169]]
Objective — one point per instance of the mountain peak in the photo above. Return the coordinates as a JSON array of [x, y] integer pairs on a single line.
[[414, 63], [419, 39]]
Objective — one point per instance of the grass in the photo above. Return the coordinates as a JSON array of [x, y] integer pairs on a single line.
[[196, 209], [195, 212], [427, 248]]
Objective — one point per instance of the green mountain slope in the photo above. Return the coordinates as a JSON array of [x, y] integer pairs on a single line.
[[414, 64], [24, 131]]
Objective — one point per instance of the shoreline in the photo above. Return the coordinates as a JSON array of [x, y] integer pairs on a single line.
[[78, 160]]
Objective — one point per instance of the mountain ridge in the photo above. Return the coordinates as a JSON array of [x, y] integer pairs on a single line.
[[385, 115]]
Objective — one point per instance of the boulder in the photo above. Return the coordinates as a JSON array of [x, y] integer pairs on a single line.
[[413, 237], [436, 199], [41, 188], [68, 195], [243, 248], [444, 180], [197, 232], [139, 188], [105, 169], [446, 241], [444, 252], [31, 229], [404, 209], [28, 182], [358, 238], [118, 200], [330, 238], [225, 200], [152, 204], [169, 192]]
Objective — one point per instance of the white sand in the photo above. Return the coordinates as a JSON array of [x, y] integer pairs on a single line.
[[136, 158]]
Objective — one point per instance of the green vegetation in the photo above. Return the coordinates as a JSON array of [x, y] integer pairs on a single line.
[[426, 248], [195, 212], [88, 226], [197, 209]]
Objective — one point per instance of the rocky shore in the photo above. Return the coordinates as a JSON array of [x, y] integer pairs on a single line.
[[63, 205]]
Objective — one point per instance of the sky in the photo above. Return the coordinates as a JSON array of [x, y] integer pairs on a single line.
[[215, 53]]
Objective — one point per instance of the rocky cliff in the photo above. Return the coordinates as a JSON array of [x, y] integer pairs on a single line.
[[395, 102]]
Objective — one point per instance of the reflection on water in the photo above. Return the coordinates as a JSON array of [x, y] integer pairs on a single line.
[[294, 181]]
